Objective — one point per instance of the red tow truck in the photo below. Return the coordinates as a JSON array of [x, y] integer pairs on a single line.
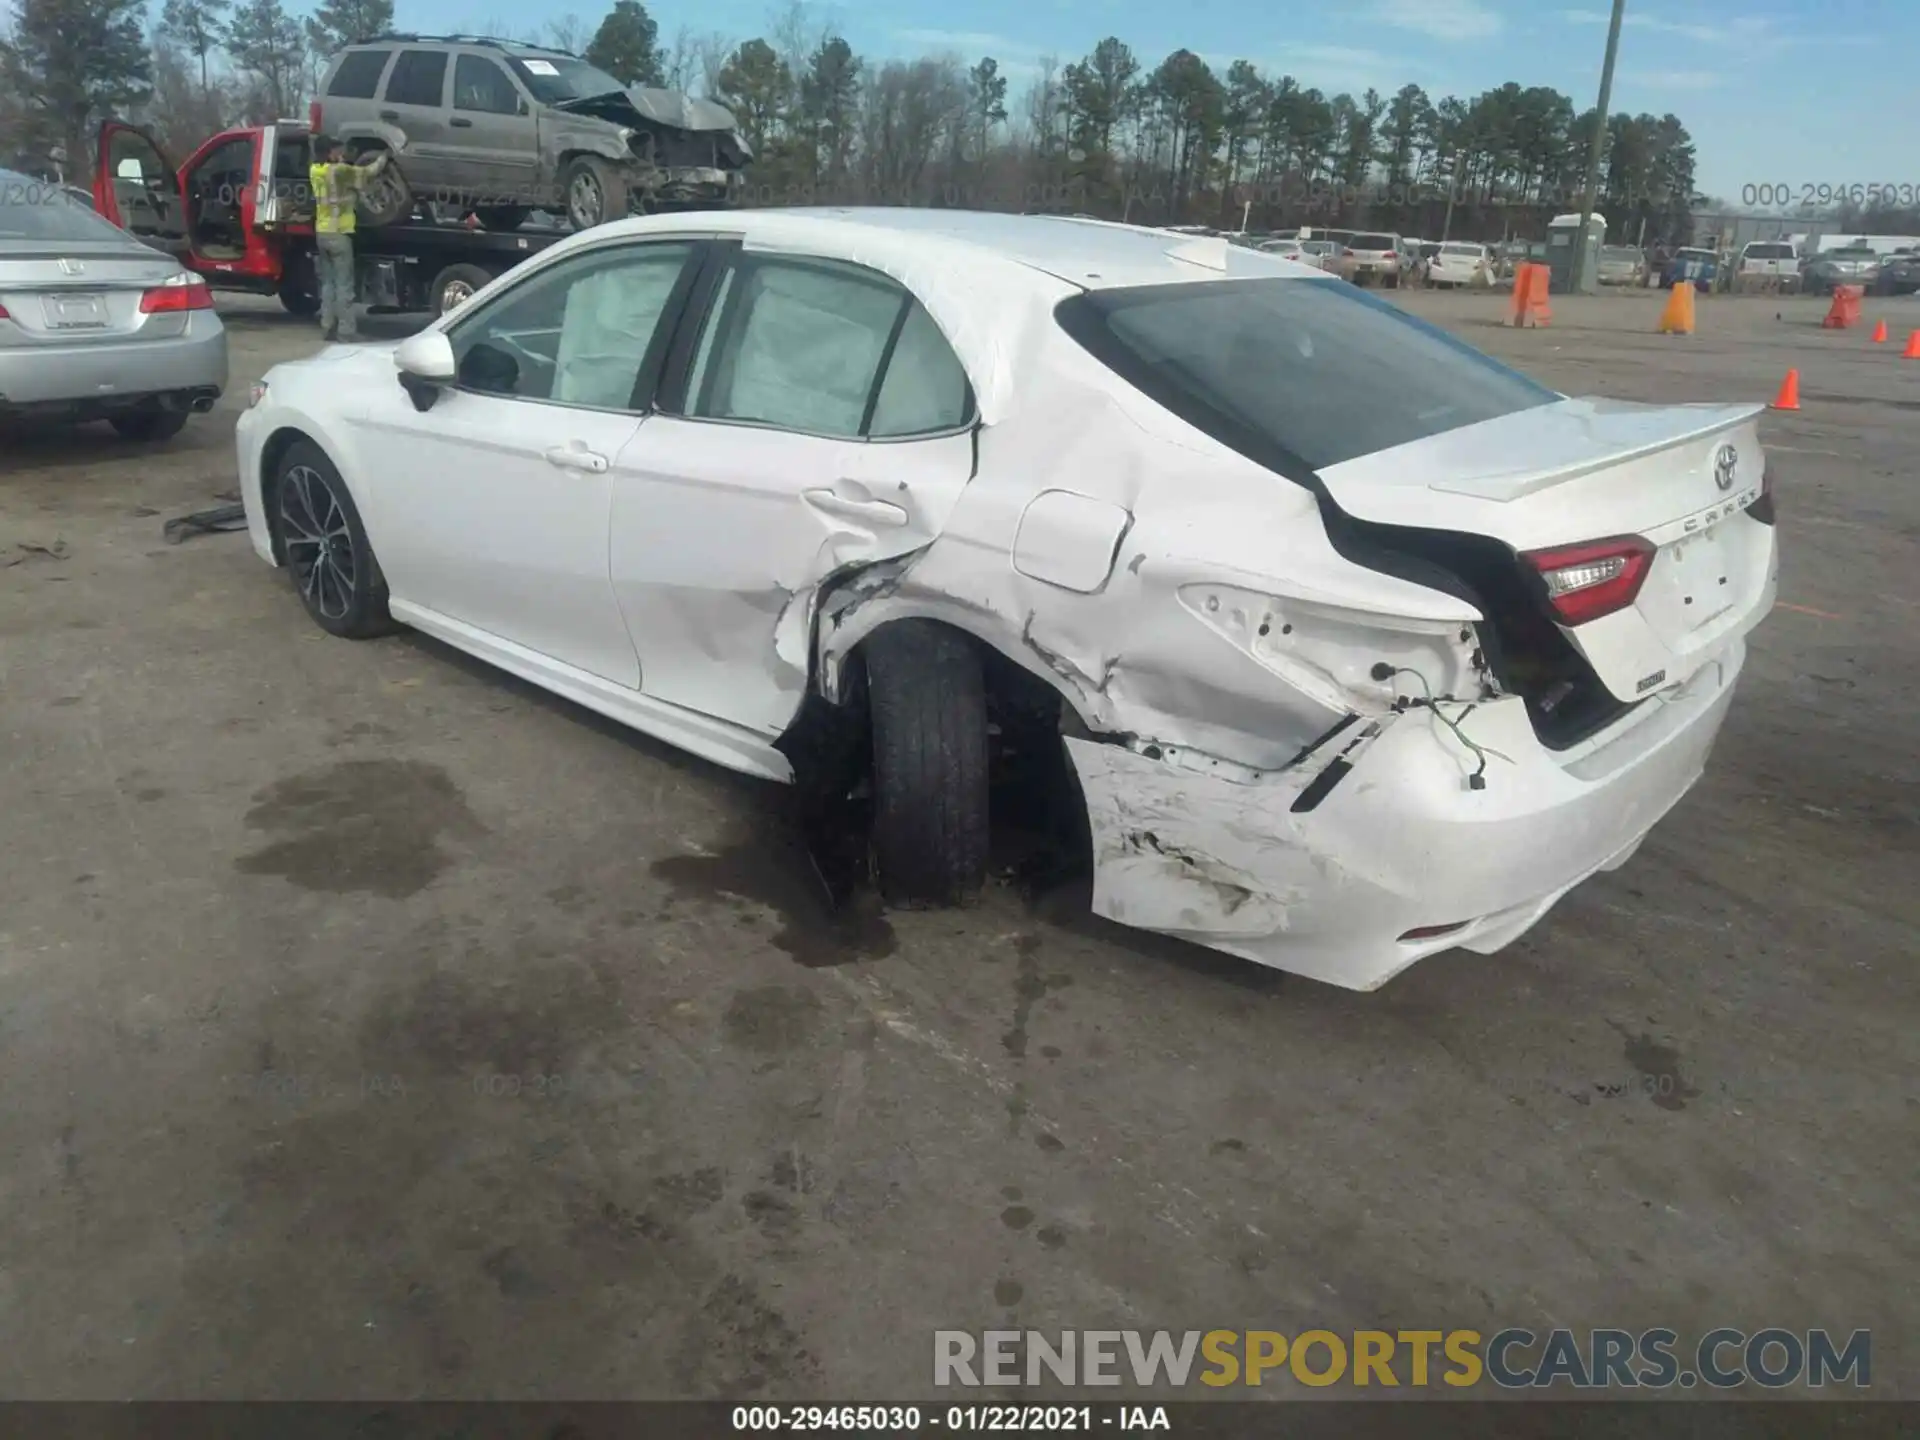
[[238, 211]]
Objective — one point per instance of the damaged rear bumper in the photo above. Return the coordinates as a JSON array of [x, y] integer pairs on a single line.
[[1400, 844]]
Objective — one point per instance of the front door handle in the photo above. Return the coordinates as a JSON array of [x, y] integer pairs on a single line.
[[460, 123], [866, 512], [577, 457]]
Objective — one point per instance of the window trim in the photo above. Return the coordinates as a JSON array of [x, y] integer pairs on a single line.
[[453, 92], [647, 380], [393, 71], [672, 398]]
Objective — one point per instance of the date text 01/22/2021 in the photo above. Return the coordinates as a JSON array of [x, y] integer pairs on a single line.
[[896, 1419]]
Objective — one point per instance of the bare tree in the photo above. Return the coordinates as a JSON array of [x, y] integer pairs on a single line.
[[711, 53], [680, 60], [568, 33]]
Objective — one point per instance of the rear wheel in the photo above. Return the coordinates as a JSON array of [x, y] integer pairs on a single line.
[[455, 285], [928, 702], [326, 547], [149, 423], [596, 192], [387, 199]]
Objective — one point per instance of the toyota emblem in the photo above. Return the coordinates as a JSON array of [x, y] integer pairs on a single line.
[[1725, 464]]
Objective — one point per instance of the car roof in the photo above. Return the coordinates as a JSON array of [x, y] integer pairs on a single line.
[[984, 277]]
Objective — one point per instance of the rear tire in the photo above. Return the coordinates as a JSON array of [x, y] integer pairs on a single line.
[[150, 424], [387, 199], [927, 698], [325, 544], [595, 191]]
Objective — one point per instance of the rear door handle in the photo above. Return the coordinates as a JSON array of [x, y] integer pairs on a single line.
[[577, 457], [459, 124], [867, 512], [389, 114]]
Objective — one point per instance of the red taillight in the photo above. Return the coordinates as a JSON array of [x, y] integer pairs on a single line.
[[183, 292], [3, 313], [1587, 581]]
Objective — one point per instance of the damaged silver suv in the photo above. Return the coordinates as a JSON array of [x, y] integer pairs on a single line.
[[503, 129]]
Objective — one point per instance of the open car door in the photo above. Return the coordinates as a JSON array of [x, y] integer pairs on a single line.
[[136, 186]]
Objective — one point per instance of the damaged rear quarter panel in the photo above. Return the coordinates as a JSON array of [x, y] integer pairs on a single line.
[[1225, 623]]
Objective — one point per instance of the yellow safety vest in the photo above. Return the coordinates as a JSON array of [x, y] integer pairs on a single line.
[[335, 190]]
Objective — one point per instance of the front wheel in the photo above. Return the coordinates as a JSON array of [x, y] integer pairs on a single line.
[[326, 546], [928, 702]]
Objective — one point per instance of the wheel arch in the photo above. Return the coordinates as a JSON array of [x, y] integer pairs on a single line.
[[283, 438]]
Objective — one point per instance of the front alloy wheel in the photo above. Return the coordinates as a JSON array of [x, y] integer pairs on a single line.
[[326, 547]]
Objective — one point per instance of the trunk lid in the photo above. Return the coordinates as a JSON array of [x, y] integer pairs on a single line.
[[1682, 478], [85, 295]]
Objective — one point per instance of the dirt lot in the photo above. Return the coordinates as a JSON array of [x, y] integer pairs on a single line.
[[371, 1025]]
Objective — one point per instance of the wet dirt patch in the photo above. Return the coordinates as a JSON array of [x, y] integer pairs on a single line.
[[770, 1019], [1659, 1067], [774, 871], [371, 827]]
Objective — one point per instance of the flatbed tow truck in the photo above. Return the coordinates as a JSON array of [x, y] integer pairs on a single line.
[[238, 211]]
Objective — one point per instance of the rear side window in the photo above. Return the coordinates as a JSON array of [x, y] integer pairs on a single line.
[[419, 78], [826, 348], [1298, 375], [359, 74]]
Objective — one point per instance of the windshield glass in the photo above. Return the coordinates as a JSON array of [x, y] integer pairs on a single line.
[[554, 78], [1294, 373], [39, 210]]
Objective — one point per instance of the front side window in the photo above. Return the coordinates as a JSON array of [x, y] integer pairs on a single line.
[[577, 334], [418, 78], [481, 85], [359, 74], [1296, 374], [801, 344]]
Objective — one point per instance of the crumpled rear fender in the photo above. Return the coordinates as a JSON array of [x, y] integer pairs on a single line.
[[1172, 593]]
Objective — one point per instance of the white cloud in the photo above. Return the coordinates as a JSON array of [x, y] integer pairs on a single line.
[[1331, 68], [1674, 80], [1735, 30], [1442, 19], [970, 42]]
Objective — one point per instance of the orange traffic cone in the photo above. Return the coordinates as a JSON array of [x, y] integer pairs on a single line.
[[1880, 333], [1789, 396], [1912, 352], [1677, 318]]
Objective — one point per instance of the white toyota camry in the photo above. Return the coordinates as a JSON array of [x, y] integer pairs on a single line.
[[1357, 644]]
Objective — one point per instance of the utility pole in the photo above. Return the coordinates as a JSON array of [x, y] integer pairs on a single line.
[[1579, 269]]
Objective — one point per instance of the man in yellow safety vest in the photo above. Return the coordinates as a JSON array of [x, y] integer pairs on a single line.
[[336, 190]]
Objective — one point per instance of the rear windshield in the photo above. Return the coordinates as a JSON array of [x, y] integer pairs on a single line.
[[1473, 250], [39, 210], [1695, 254], [1372, 242], [1295, 374], [555, 78], [1769, 252]]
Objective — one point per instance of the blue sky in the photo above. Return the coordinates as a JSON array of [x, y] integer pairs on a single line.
[[1784, 92]]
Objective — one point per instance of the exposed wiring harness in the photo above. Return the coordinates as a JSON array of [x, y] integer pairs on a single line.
[[1478, 779]]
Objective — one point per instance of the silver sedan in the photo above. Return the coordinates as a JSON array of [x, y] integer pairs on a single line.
[[94, 324]]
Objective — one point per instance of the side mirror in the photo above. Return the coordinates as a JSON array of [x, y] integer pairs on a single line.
[[425, 363]]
